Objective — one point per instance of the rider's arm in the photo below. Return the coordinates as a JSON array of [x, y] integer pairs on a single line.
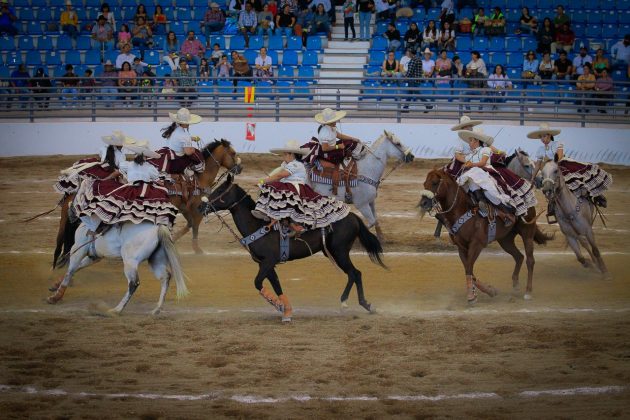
[[484, 161], [342, 136], [189, 151], [460, 157], [276, 176], [560, 152]]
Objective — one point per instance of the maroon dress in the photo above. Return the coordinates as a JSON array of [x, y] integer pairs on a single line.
[[590, 177], [334, 156], [171, 163], [69, 183]]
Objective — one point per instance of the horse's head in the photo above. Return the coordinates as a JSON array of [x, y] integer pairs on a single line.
[[432, 190], [224, 197], [399, 150], [552, 180], [221, 153]]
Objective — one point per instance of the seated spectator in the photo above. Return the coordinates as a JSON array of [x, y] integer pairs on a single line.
[[600, 63], [69, 21], [169, 86], [125, 55], [458, 69], [393, 37], [499, 83], [108, 82], [621, 53], [141, 12], [564, 39], [429, 35], [391, 66], [348, 18], [240, 67], [204, 70], [171, 50], [561, 18], [263, 65], [562, 67], [414, 76], [273, 7], [285, 21], [528, 23], [447, 14], [235, 7], [102, 35], [497, 20], [19, 84], [69, 81], [127, 82], [428, 65], [545, 69], [580, 61], [213, 21], [603, 90], [530, 66], [216, 55], [265, 22], [7, 17], [87, 85], [446, 37], [159, 21], [327, 4], [480, 22], [585, 86], [443, 68], [186, 83], [138, 66], [247, 22], [108, 15], [545, 36], [192, 49], [41, 86], [142, 35], [321, 22], [413, 39], [476, 67], [124, 36], [404, 61], [224, 68]]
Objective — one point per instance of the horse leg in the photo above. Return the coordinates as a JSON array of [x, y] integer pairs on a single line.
[[595, 254], [471, 257], [377, 225], [133, 281], [438, 230], [177, 202], [78, 261], [528, 242], [470, 285], [287, 309], [263, 270], [159, 266], [196, 218], [63, 221], [85, 262], [341, 253], [575, 246], [508, 245]]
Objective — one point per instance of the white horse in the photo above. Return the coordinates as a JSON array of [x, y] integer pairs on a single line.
[[370, 171], [575, 215], [522, 165], [134, 243]]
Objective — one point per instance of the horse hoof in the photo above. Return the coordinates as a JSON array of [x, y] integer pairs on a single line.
[[53, 288], [527, 296], [286, 319], [492, 291], [52, 299], [156, 311], [471, 302], [114, 311], [607, 276], [344, 304]]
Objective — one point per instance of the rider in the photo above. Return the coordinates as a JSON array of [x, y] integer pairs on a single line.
[[285, 195], [181, 153], [589, 178], [333, 145], [465, 123]]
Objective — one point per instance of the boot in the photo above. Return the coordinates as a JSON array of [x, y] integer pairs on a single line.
[[296, 230], [272, 299], [288, 310], [600, 201], [481, 202], [507, 214]]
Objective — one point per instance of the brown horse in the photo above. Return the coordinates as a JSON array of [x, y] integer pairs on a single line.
[[469, 231], [217, 154]]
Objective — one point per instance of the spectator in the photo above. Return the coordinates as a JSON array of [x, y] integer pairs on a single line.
[[348, 18], [7, 17], [321, 22], [263, 65], [603, 90], [213, 21], [530, 66], [585, 86], [545, 36], [414, 76], [480, 22], [545, 69], [141, 12], [273, 8], [365, 9], [391, 66], [443, 69], [102, 35], [127, 82], [247, 22], [19, 84], [429, 35], [186, 84], [382, 10], [497, 22], [265, 22], [138, 66], [159, 21], [403, 65], [330, 11], [216, 55], [621, 53], [562, 67], [109, 81], [476, 67], [428, 65], [447, 14], [168, 88], [600, 63], [285, 21], [240, 66], [413, 38], [204, 70], [69, 81], [393, 37], [235, 7], [303, 17], [580, 60], [125, 55], [528, 23], [446, 37], [458, 70], [564, 39], [499, 83], [192, 49], [142, 35], [41, 87], [108, 15], [561, 18], [69, 21], [224, 68], [87, 85], [124, 36], [171, 49]]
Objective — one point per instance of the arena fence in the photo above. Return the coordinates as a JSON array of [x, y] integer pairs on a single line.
[[287, 98]]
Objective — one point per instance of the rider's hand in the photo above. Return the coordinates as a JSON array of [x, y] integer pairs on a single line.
[[468, 164]]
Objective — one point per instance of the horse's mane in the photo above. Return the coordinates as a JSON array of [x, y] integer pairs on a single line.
[[207, 151]]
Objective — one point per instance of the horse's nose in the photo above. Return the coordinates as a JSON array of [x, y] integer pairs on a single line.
[[426, 203], [237, 169]]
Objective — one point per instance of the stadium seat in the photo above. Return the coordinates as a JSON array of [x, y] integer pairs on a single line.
[[302, 90], [480, 43], [310, 58], [402, 26], [516, 60], [379, 43], [13, 59], [276, 42], [294, 43], [34, 28], [512, 15], [250, 56], [161, 71], [84, 43], [25, 13], [498, 58], [183, 3], [578, 16], [593, 31], [72, 57], [33, 58], [177, 27], [44, 43], [419, 15], [376, 58], [285, 72], [619, 75], [306, 73], [314, 43], [530, 44], [264, 89], [290, 58], [434, 13], [64, 42], [546, 4], [381, 28], [237, 42], [256, 42], [94, 3], [217, 39], [463, 43], [206, 88], [371, 90], [93, 58], [465, 56], [624, 16], [609, 16], [497, 43], [183, 14], [150, 57], [593, 16], [53, 58], [4, 72], [58, 71], [25, 43], [111, 56], [83, 14], [128, 3], [513, 44], [7, 43]]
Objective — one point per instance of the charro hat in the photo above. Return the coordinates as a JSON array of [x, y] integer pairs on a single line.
[[542, 130], [328, 116], [109, 63], [291, 146], [116, 139], [213, 4], [183, 116], [475, 133], [427, 51], [139, 147], [465, 121]]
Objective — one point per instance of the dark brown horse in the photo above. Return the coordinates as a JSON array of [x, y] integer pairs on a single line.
[[452, 204]]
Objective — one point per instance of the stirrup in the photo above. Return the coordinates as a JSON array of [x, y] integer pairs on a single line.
[[550, 220]]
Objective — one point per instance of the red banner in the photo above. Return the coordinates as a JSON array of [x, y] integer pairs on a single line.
[[250, 131]]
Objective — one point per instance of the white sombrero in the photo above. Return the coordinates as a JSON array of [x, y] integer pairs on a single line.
[[475, 133], [183, 116], [542, 130], [465, 121], [328, 116], [116, 139], [427, 51], [140, 147], [291, 146]]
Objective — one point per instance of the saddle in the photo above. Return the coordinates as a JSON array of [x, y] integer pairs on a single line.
[[344, 175], [182, 185]]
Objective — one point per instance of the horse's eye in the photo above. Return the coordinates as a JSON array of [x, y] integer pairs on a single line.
[[435, 183]]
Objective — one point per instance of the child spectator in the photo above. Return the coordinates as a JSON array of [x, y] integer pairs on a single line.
[[124, 36], [224, 68], [216, 54]]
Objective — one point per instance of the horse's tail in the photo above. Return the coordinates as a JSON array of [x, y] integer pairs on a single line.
[[541, 238], [371, 244], [164, 236], [65, 234]]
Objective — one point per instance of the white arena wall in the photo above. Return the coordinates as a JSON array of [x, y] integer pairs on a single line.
[[609, 145]]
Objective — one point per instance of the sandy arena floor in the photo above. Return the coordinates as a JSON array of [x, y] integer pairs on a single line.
[[223, 352]]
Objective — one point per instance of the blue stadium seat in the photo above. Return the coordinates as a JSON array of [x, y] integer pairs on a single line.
[[513, 73], [163, 70], [618, 75], [95, 3], [93, 58], [33, 58], [294, 43], [376, 58], [381, 28], [302, 90], [40, 4], [45, 15], [286, 72], [183, 3], [177, 27], [183, 14], [84, 43], [434, 13], [306, 73], [276, 42], [128, 3], [419, 15], [251, 55], [237, 42], [513, 44], [256, 42], [4, 72], [402, 26], [546, 4], [217, 39], [463, 43], [44, 43], [290, 58], [578, 16], [13, 59], [516, 60], [530, 44], [274, 57], [264, 89], [498, 58], [82, 14], [624, 16], [7, 43], [58, 71], [25, 43], [314, 43], [72, 57], [379, 43], [480, 43], [512, 15], [465, 56], [53, 58], [64, 42], [593, 31], [310, 58], [497, 43], [25, 13], [34, 28], [111, 56], [593, 16], [206, 87], [371, 90], [609, 16]]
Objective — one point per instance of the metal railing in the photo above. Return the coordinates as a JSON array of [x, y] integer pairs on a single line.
[[288, 98]]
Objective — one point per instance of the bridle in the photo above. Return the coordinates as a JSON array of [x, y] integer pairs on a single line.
[[435, 204], [401, 161]]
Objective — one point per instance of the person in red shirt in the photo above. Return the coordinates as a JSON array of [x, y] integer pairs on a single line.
[[564, 39]]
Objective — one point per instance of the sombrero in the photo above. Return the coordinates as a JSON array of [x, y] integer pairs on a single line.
[[116, 139], [140, 147], [183, 116], [465, 121], [543, 129], [291, 146], [427, 51], [475, 133], [328, 116]]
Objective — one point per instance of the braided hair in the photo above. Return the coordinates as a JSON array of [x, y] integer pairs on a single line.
[[168, 131]]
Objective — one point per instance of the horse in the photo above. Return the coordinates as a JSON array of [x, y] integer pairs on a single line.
[[134, 243], [217, 154], [335, 243], [470, 232], [370, 171], [575, 215]]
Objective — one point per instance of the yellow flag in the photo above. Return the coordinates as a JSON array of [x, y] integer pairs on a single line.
[[250, 94]]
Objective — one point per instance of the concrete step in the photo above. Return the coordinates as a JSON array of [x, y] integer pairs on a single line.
[[356, 45], [341, 73], [344, 59], [347, 51], [344, 82], [338, 66]]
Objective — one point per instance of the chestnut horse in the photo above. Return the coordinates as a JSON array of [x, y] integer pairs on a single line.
[[451, 205]]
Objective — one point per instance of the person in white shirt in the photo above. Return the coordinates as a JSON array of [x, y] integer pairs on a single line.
[[182, 152], [428, 64], [334, 146], [500, 82], [404, 60], [447, 14], [476, 64], [621, 53], [580, 60], [263, 65]]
